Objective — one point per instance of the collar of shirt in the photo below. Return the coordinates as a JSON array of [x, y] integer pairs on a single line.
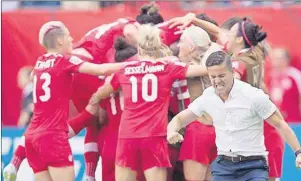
[[243, 51]]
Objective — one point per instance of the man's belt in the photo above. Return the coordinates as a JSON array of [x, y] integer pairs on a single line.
[[242, 158]]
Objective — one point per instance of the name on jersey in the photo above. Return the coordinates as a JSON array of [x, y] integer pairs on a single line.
[[143, 69], [42, 65]]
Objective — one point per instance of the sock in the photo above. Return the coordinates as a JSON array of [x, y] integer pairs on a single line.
[[19, 154], [81, 121], [91, 150]]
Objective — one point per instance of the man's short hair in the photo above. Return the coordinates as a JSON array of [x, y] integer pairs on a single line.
[[219, 58]]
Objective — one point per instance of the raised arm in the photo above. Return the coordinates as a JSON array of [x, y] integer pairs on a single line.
[[100, 69], [196, 70], [190, 18]]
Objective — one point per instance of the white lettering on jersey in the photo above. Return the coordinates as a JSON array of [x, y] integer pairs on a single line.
[[144, 69], [42, 65]]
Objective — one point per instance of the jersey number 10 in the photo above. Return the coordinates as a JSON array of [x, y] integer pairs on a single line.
[[145, 96]]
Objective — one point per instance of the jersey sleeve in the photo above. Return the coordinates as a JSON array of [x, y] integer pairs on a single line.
[[262, 104], [115, 81], [177, 70], [239, 67], [198, 106], [71, 63], [167, 34]]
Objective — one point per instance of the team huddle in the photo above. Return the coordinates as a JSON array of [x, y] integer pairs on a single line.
[[136, 84]]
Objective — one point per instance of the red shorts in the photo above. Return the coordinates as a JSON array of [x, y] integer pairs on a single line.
[[199, 143], [48, 149], [142, 153], [108, 156], [275, 146]]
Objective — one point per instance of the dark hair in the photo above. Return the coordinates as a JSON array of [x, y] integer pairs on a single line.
[[149, 14], [229, 23], [251, 33], [205, 17], [218, 58], [123, 50]]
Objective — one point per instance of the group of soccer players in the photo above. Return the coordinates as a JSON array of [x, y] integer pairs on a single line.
[[126, 80]]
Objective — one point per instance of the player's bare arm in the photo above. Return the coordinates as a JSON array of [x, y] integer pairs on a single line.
[[102, 92], [190, 18], [100, 69], [196, 70], [277, 121]]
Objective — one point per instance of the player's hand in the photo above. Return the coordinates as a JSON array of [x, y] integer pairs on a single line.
[[298, 161], [94, 100], [181, 22], [174, 137]]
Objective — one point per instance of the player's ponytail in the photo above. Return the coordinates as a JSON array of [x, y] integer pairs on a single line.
[[251, 33], [149, 14], [150, 42], [123, 50]]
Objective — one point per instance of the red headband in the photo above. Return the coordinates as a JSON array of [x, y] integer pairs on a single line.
[[244, 33]]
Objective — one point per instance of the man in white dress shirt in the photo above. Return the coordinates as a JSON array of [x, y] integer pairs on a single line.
[[237, 110]]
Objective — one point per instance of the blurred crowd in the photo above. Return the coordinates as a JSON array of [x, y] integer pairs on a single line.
[[13, 5]]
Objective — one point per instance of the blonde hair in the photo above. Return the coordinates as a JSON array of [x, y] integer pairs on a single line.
[[149, 42], [47, 27]]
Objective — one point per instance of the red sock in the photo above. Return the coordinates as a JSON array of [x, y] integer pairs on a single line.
[[19, 154], [82, 120], [91, 150]]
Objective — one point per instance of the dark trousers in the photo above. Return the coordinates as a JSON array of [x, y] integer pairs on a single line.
[[226, 170]]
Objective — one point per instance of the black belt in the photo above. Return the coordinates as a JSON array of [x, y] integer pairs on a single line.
[[242, 158]]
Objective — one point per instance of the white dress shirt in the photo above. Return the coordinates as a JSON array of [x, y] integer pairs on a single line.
[[238, 121]]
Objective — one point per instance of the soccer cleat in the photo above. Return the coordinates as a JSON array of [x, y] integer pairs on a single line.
[[10, 173]]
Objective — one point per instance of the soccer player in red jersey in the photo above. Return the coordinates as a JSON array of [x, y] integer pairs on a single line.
[[146, 88], [285, 85], [52, 78]]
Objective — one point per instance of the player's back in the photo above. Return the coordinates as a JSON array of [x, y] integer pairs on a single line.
[[146, 89], [52, 78], [100, 40], [114, 106]]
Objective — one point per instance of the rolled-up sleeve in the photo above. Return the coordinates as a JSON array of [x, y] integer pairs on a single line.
[[262, 104], [197, 106]]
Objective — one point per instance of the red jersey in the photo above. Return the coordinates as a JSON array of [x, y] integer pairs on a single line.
[[101, 39], [285, 90], [114, 106], [52, 81], [168, 34], [146, 87]]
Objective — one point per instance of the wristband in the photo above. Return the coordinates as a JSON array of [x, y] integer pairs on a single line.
[[297, 152]]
